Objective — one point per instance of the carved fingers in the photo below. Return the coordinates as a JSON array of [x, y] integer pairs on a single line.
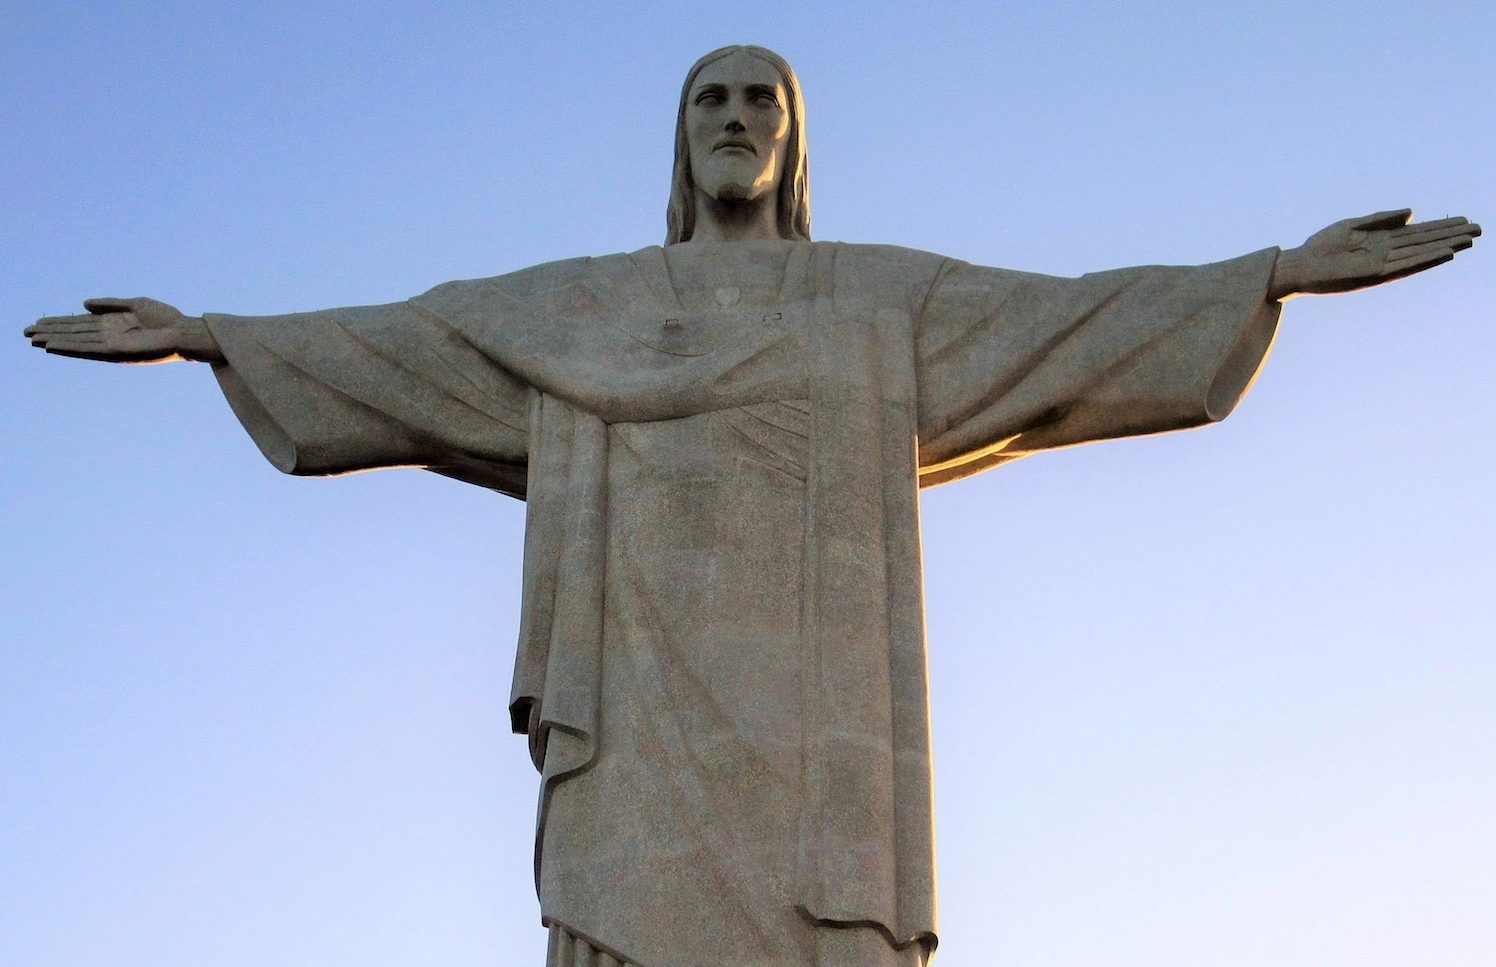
[[1369, 250], [1414, 248], [111, 332], [85, 337]]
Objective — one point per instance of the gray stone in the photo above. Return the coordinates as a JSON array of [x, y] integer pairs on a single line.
[[721, 669]]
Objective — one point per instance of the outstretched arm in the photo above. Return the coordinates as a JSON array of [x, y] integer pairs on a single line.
[[1360, 252], [332, 391], [137, 330]]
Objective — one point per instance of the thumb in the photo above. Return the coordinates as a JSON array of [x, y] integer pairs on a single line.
[[1396, 218], [101, 307]]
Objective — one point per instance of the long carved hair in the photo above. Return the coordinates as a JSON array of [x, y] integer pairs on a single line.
[[794, 180]]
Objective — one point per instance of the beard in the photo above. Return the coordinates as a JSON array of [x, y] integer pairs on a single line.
[[736, 181], [735, 192]]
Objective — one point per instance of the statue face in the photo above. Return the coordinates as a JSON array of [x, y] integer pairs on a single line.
[[737, 124]]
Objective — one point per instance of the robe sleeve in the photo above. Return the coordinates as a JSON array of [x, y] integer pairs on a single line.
[[1010, 363], [374, 386]]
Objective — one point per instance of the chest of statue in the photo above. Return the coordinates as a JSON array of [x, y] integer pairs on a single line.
[[638, 337]]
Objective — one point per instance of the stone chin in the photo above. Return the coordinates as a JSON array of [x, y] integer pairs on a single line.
[[734, 180], [737, 192], [738, 186]]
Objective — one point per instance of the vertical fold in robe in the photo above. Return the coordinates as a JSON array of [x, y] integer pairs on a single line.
[[566, 949], [867, 840], [558, 663]]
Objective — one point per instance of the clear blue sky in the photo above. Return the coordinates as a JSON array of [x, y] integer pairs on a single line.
[[1225, 697]]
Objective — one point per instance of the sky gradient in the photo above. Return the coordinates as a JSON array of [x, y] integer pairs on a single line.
[[1221, 697]]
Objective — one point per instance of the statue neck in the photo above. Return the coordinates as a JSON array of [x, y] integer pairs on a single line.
[[735, 220]]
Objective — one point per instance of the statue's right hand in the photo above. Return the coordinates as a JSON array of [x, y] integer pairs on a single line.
[[136, 330]]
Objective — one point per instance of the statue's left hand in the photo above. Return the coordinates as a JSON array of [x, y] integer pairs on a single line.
[[136, 330], [1361, 252]]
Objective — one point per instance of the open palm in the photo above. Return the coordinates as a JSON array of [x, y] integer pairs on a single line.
[[138, 330], [1359, 252]]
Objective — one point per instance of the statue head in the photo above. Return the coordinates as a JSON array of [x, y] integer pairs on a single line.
[[793, 189]]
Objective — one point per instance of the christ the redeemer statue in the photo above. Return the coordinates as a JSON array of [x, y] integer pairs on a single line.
[[721, 665]]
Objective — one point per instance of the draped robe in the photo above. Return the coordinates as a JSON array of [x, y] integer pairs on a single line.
[[721, 668]]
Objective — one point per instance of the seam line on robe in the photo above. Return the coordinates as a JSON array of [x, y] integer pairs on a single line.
[[399, 363], [458, 334], [1034, 359]]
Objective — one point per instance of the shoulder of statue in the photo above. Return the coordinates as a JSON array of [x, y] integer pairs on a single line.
[[890, 273], [531, 285], [891, 257]]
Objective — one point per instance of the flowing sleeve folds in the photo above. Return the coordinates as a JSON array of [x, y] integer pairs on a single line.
[[1010, 363], [361, 388]]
